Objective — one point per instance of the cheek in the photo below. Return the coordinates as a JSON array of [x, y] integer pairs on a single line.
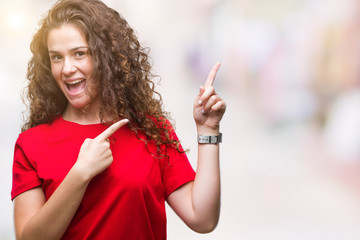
[[57, 76], [55, 71], [88, 67]]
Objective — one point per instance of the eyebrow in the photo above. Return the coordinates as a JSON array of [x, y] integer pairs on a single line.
[[71, 50]]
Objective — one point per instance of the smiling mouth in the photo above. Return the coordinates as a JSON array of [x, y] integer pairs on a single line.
[[76, 86]]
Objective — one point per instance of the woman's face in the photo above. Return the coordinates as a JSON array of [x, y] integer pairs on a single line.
[[71, 65]]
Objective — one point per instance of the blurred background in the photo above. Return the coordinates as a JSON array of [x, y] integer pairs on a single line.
[[290, 157]]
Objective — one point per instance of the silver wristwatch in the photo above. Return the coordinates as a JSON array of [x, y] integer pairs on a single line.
[[210, 139]]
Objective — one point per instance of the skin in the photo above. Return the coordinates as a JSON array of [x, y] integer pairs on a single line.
[[197, 202], [71, 61]]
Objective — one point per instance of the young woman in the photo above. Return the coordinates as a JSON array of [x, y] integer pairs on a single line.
[[97, 157]]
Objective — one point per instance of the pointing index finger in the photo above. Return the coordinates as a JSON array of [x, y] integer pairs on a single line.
[[211, 77], [112, 129]]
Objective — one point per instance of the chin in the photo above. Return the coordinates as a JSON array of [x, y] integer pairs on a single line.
[[82, 102], [79, 104]]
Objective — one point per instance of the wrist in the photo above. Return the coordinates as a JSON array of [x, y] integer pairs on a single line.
[[80, 174], [206, 131]]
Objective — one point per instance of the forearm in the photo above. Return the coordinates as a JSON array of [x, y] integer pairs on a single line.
[[198, 202], [53, 218], [50, 220], [206, 187]]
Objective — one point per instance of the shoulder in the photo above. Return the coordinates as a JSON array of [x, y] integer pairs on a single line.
[[39, 132], [163, 123]]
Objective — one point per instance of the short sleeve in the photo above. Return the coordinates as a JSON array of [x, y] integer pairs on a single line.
[[24, 173], [177, 170]]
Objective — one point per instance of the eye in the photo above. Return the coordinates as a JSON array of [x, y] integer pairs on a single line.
[[55, 57], [79, 53]]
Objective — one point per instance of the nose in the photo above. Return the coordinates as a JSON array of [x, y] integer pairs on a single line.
[[69, 66]]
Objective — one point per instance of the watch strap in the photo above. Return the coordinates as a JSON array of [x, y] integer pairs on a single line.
[[210, 139]]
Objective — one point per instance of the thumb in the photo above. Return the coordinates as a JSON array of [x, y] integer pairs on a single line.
[[86, 142]]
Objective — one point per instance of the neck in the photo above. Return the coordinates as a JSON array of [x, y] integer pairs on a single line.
[[85, 115]]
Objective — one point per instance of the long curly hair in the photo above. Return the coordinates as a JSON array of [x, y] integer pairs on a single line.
[[122, 71]]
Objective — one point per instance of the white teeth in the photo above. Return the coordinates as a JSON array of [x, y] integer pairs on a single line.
[[75, 82]]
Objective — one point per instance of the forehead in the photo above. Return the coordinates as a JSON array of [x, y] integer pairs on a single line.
[[65, 37]]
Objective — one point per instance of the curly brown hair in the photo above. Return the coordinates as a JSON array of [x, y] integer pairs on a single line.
[[123, 72]]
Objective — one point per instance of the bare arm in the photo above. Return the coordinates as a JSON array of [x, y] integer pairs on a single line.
[[36, 218], [198, 202]]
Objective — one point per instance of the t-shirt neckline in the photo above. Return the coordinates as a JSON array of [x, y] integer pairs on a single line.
[[61, 119]]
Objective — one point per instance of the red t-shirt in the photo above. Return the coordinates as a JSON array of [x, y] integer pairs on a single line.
[[126, 201]]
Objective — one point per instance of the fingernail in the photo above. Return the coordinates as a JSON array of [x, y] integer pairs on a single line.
[[203, 111], [200, 102]]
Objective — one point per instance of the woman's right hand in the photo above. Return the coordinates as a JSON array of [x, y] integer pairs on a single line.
[[34, 215], [95, 154]]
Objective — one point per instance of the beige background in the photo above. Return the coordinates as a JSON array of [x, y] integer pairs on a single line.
[[290, 160]]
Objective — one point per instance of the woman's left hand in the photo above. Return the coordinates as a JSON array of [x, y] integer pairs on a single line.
[[209, 108]]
